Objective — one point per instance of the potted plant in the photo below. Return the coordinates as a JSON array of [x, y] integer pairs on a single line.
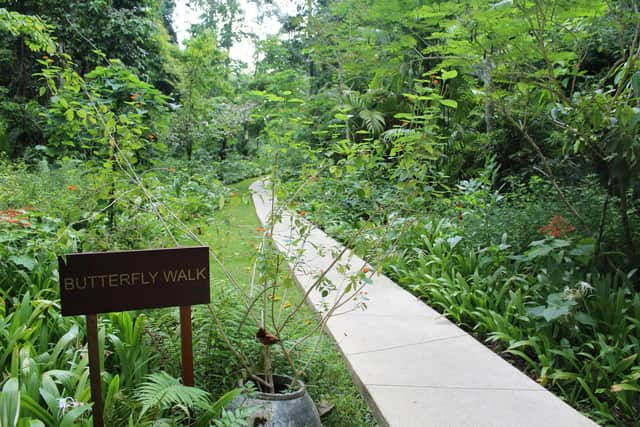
[[275, 373]]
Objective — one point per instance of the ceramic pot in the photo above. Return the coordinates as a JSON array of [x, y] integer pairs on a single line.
[[291, 408]]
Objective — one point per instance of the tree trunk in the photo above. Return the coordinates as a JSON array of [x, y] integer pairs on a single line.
[[626, 223], [222, 155], [489, 109]]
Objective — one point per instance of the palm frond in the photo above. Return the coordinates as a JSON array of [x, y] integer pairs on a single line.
[[355, 100]]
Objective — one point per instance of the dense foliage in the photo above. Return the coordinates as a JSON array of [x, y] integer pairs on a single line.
[[495, 145], [491, 147]]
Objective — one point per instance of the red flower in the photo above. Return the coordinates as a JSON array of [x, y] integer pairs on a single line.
[[72, 188], [557, 227]]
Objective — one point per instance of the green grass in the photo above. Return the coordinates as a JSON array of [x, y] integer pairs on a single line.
[[233, 236]]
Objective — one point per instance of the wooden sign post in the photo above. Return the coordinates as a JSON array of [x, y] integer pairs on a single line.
[[92, 283], [94, 370]]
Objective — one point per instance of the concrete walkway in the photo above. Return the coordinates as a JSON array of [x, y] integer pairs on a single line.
[[414, 366]]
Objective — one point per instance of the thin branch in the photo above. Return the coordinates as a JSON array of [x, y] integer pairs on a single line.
[[547, 168]]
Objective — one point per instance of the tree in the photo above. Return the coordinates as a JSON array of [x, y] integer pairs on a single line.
[[223, 18], [131, 31], [203, 79]]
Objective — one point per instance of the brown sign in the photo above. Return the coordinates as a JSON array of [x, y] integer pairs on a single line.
[[105, 282]]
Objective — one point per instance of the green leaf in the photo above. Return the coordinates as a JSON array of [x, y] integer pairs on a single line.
[[69, 115], [554, 312], [10, 403], [64, 341], [585, 319], [29, 405], [114, 387], [536, 311], [449, 103], [25, 261], [224, 401], [31, 423], [635, 83], [616, 388], [69, 420], [523, 87], [447, 75]]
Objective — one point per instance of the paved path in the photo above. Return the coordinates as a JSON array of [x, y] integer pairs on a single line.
[[414, 366]]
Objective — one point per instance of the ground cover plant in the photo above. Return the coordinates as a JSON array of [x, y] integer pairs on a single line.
[[141, 348], [543, 306]]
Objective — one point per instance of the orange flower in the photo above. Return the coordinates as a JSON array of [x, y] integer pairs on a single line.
[[557, 227], [72, 188], [303, 213], [134, 96], [260, 229], [365, 270]]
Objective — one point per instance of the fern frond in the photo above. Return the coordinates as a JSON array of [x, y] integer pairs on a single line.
[[396, 133], [162, 391]]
